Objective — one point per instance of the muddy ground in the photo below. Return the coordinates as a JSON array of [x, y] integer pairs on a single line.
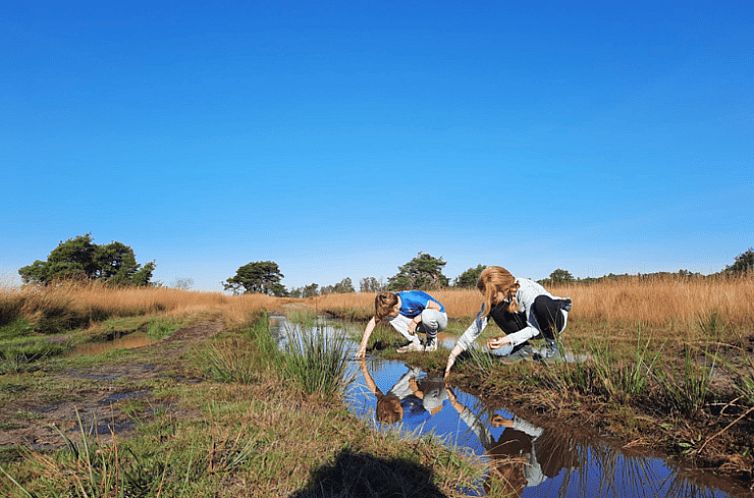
[[95, 393]]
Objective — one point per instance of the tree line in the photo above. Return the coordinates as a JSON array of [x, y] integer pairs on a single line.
[[426, 272], [80, 259]]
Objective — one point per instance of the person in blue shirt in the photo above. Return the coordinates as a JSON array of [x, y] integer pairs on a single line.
[[411, 400], [408, 312]]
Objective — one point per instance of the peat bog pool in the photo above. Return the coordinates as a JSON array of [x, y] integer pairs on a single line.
[[536, 457], [129, 341]]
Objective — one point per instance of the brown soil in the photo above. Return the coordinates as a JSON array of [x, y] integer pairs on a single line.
[[95, 393]]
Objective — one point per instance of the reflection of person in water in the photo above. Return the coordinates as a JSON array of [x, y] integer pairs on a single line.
[[524, 455], [411, 395]]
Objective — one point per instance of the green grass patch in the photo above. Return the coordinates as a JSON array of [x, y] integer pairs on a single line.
[[233, 438], [17, 328], [687, 391], [17, 355], [159, 328]]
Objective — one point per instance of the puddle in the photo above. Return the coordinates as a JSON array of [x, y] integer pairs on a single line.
[[130, 341], [536, 458]]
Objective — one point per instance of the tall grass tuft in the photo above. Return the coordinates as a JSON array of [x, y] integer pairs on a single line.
[[482, 360], [160, 328], [623, 381], [568, 377], [243, 358], [316, 360], [231, 360], [10, 308], [266, 346], [687, 391], [17, 354]]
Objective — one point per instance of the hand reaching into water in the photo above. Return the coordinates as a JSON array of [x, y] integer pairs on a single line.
[[452, 359]]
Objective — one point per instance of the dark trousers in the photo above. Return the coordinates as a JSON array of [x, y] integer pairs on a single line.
[[546, 311]]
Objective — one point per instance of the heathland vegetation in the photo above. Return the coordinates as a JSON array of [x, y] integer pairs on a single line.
[[671, 363], [212, 406]]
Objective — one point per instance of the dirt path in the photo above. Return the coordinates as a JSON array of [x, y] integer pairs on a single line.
[[95, 392]]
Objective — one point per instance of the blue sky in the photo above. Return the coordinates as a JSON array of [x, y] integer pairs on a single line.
[[341, 138]]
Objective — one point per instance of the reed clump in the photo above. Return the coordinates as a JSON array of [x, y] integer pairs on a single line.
[[316, 359]]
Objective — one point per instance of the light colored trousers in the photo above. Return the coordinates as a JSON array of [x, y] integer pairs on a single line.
[[432, 322]]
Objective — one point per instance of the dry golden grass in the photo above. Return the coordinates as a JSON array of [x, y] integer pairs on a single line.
[[95, 302], [659, 302]]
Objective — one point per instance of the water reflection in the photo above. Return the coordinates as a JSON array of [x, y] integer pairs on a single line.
[[411, 397], [525, 457], [130, 341]]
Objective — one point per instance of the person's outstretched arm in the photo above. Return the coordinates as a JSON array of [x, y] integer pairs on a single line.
[[365, 338], [463, 342], [369, 380]]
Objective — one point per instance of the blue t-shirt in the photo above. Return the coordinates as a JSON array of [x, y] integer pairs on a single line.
[[413, 302]]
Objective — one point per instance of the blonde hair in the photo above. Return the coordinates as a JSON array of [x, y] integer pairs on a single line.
[[494, 279], [384, 303]]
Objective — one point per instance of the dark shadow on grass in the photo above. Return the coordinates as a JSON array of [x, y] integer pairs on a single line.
[[354, 475]]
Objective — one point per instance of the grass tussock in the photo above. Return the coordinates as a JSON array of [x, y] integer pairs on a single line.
[[624, 380], [687, 391], [243, 357], [316, 359]]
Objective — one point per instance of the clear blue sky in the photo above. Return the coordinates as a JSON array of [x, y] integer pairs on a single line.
[[341, 138]]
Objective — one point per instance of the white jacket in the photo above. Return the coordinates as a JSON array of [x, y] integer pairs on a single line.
[[528, 291]]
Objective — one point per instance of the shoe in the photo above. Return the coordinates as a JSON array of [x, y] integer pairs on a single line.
[[522, 352], [431, 345], [549, 353], [413, 346]]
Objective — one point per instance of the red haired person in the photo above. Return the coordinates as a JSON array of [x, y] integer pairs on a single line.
[[522, 309]]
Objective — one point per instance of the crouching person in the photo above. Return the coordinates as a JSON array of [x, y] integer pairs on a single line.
[[408, 312], [523, 310]]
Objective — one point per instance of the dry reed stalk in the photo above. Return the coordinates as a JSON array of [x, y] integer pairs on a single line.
[[655, 302], [95, 301]]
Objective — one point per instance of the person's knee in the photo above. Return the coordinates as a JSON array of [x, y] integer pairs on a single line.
[[429, 316], [541, 305], [546, 311], [430, 319]]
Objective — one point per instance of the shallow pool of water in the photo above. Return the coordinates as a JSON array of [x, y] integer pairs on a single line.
[[536, 458], [130, 341]]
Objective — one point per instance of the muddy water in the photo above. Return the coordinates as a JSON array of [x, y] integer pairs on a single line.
[[130, 341], [536, 457]]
